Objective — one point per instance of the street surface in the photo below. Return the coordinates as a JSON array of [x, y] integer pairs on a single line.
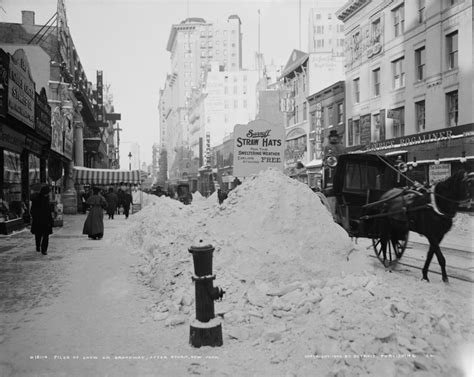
[[82, 310]]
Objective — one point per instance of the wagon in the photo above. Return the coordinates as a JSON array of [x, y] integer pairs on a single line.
[[353, 184]]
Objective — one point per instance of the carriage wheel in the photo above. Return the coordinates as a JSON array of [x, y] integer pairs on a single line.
[[394, 249]]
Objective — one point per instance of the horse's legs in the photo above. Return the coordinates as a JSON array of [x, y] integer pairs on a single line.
[[442, 262], [429, 256]]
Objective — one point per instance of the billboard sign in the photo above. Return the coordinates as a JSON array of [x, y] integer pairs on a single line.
[[258, 145]]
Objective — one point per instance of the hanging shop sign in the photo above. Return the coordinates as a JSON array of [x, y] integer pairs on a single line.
[[42, 115], [4, 60], [438, 173], [258, 145], [68, 137], [21, 89], [10, 139], [56, 130]]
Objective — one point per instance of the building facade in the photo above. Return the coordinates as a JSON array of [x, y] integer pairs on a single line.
[[325, 30], [409, 81]]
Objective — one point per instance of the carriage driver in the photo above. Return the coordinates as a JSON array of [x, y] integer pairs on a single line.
[[334, 147]]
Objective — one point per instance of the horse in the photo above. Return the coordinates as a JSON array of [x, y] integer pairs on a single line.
[[428, 211]]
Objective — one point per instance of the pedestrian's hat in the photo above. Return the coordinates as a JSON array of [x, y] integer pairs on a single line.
[[333, 133]]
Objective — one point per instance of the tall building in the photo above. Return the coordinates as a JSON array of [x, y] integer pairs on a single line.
[[325, 30], [194, 44], [409, 81]]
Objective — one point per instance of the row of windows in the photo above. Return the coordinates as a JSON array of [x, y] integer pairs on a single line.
[[398, 124], [320, 42], [235, 91], [236, 104], [399, 69]]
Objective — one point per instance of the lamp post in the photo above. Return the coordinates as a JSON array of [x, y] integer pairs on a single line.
[[130, 160]]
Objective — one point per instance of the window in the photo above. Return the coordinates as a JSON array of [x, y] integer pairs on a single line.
[[305, 110], [296, 113], [329, 16], [356, 90], [398, 20], [376, 31], [318, 16], [320, 29], [245, 104], [226, 90], [356, 132], [452, 108], [420, 116], [340, 28], [330, 116], [304, 82], [398, 73], [320, 43], [421, 11], [452, 49], [420, 58], [340, 113], [236, 104], [376, 78], [399, 122], [377, 125]]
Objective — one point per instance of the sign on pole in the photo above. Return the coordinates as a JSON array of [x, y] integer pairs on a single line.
[[258, 145], [438, 173]]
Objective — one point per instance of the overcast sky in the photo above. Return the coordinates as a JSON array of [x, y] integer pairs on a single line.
[[126, 39]]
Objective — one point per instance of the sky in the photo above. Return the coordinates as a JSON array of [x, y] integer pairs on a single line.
[[126, 39]]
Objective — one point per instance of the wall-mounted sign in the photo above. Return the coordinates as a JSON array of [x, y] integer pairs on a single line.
[[438, 173], [42, 115], [393, 114], [68, 137], [365, 130], [21, 89], [4, 62], [56, 130], [10, 139], [258, 146]]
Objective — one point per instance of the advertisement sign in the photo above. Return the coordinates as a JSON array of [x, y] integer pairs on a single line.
[[365, 130], [258, 145], [318, 146], [42, 115], [56, 130], [438, 173], [21, 89], [4, 59]]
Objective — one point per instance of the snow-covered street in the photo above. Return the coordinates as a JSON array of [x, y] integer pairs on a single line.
[[301, 298]]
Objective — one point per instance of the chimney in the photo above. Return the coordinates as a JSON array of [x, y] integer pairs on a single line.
[[27, 17]]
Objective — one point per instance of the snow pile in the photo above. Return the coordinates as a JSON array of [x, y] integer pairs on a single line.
[[198, 197], [296, 288], [462, 225], [149, 199]]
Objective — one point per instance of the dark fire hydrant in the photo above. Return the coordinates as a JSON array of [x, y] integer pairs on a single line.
[[205, 330]]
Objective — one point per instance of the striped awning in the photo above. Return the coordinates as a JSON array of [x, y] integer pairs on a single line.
[[87, 176]]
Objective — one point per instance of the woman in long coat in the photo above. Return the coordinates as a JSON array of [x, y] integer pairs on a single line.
[[94, 224], [42, 219]]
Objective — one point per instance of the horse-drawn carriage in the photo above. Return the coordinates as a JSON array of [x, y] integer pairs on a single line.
[[370, 197]]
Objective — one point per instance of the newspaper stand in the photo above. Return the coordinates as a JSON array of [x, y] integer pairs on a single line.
[[205, 330]]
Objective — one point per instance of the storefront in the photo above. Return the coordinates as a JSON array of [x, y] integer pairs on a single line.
[[24, 140], [431, 156]]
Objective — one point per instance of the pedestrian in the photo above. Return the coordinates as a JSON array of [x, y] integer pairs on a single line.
[[112, 201], [127, 201], [84, 196], [94, 224], [120, 200], [41, 219], [221, 195]]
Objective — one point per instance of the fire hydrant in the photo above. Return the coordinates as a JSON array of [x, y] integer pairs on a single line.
[[205, 330]]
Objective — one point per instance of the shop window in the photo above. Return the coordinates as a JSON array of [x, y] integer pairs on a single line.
[[356, 132], [452, 49], [356, 90], [398, 15], [452, 108], [340, 113], [421, 11], [420, 116], [376, 78], [11, 205], [398, 71], [420, 57], [399, 122], [34, 170]]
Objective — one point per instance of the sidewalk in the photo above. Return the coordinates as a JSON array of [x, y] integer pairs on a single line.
[[81, 300]]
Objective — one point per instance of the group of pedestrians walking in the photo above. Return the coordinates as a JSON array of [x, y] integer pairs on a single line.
[[110, 202], [42, 213]]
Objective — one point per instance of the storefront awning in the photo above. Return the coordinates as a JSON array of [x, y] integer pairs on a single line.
[[87, 176]]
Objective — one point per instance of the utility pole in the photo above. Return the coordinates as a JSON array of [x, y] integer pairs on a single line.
[[299, 28]]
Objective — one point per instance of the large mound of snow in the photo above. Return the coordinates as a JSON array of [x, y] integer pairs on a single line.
[[296, 287]]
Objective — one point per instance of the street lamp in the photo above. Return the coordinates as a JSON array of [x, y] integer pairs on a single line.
[[130, 160]]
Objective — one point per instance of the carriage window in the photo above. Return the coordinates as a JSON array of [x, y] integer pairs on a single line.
[[360, 177]]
